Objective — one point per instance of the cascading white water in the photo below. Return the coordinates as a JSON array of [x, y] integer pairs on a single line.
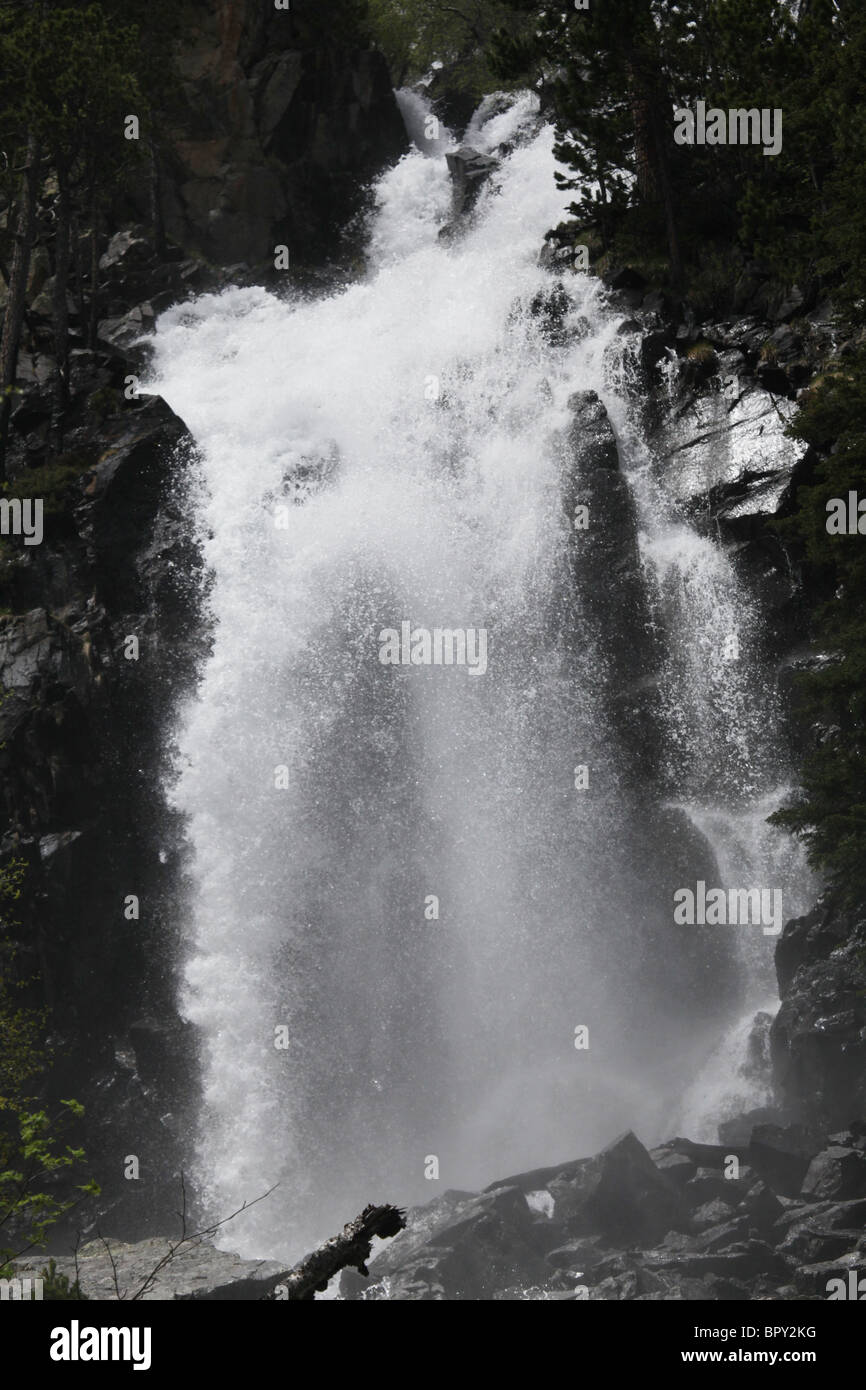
[[389, 454]]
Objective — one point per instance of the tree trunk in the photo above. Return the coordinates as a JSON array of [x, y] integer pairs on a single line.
[[643, 143], [77, 265], [15, 305], [349, 1250], [93, 319], [156, 213], [651, 156], [61, 306], [664, 178]]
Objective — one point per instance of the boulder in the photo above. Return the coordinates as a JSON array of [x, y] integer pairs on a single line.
[[470, 171], [620, 1194], [836, 1174], [781, 1154]]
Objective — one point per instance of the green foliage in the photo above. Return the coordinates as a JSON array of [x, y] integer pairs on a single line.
[[615, 73], [35, 1173], [831, 814], [74, 77], [415, 34], [36, 1166], [57, 1288]]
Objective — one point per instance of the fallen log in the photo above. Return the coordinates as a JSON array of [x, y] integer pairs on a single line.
[[349, 1250]]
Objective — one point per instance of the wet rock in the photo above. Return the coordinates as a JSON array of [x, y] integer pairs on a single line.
[[121, 495], [126, 329], [551, 309], [782, 1154], [578, 1255], [619, 1193], [127, 247], [470, 171], [716, 439], [674, 1165], [836, 1174], [818, 1038]]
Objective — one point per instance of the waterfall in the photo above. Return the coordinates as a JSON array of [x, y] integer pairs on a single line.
[[401, 908]]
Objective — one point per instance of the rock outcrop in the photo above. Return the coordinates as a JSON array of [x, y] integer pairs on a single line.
[[284, 117], [99, 637]]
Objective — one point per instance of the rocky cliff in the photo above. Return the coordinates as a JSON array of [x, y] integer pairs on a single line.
[[283, 118]]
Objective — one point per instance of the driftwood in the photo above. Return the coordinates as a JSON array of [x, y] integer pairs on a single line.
[[349, 1250]]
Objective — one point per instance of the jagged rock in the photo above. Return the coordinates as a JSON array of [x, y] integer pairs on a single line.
[[125, 330], [741, 1260], [122, 492], [674, 1165], [603, 540], [578, 1255], [819, 1280], [282, 119], [761, 1205], [470, 170], [551, 308], [724, 1235], [818, 1037], [812, 1242], [127, 247], [782, 1154], [619, 1193], [836, 1174], [718, 439], [712, 1214]]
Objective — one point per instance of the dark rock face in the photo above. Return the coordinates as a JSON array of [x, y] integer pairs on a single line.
[[615, 614], [599, 506], [101, 637], [819, 1035], [283, 117], [286, 115]]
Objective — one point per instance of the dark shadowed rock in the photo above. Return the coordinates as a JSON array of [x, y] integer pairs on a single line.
[[674, 1165], [619, 1193], [282, 119], [836, 1174], [818, 1038], [782, 1154]]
